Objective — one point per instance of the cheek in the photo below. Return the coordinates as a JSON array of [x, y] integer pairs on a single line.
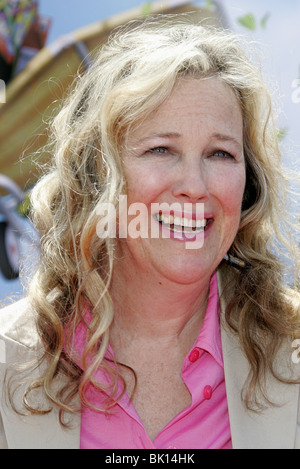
[[233, 200], [230, 191], [144, 186]]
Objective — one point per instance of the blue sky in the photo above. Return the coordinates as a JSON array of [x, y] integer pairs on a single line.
[[280, 55]]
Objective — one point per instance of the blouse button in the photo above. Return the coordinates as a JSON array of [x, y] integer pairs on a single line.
[[194, 355], [207, 392]]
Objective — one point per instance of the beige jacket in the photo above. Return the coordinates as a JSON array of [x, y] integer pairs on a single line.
[[277, 427]]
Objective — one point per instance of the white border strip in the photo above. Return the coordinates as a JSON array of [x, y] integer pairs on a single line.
[[2, 351]]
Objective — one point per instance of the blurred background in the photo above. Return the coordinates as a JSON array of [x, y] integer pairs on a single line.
[[42, 46]]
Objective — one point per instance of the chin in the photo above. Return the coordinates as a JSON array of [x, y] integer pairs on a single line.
[[186, 272]]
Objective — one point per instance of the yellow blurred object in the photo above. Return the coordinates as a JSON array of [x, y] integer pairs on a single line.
[[33, 97]]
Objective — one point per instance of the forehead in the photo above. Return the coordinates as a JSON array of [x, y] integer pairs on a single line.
[[197, 105]]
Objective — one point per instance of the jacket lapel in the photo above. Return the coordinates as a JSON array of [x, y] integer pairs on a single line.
[[18, 335], [276, 426], [36, 432]]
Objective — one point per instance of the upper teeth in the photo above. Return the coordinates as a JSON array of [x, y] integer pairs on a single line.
[[181, 221]]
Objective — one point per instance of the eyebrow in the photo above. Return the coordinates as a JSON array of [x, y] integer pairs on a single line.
[[160, 135], [226, 138], [214, 136]]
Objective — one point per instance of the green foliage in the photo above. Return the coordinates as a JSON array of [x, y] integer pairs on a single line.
[[281, 133], [250, 22], [24, 207], [209, 5], [146, 8], [263, 21]]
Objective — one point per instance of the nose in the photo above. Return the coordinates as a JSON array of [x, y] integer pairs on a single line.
[[191, 184]]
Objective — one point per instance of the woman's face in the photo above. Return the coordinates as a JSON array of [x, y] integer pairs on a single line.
[[189, 152]]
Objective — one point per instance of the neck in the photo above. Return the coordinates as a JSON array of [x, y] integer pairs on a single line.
[[150, 307]]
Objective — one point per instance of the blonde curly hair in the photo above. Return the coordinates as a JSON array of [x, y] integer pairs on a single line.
[[132, 74]]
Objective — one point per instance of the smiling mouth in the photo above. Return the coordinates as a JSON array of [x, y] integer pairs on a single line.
[[182, 225]]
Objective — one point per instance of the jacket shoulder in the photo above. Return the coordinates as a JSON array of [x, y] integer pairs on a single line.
[[17, 323]]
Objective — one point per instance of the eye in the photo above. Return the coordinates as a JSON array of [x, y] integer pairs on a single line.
[[158, 150], [223, 154]]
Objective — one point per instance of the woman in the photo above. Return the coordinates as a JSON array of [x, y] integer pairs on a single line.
[[163, 199]]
